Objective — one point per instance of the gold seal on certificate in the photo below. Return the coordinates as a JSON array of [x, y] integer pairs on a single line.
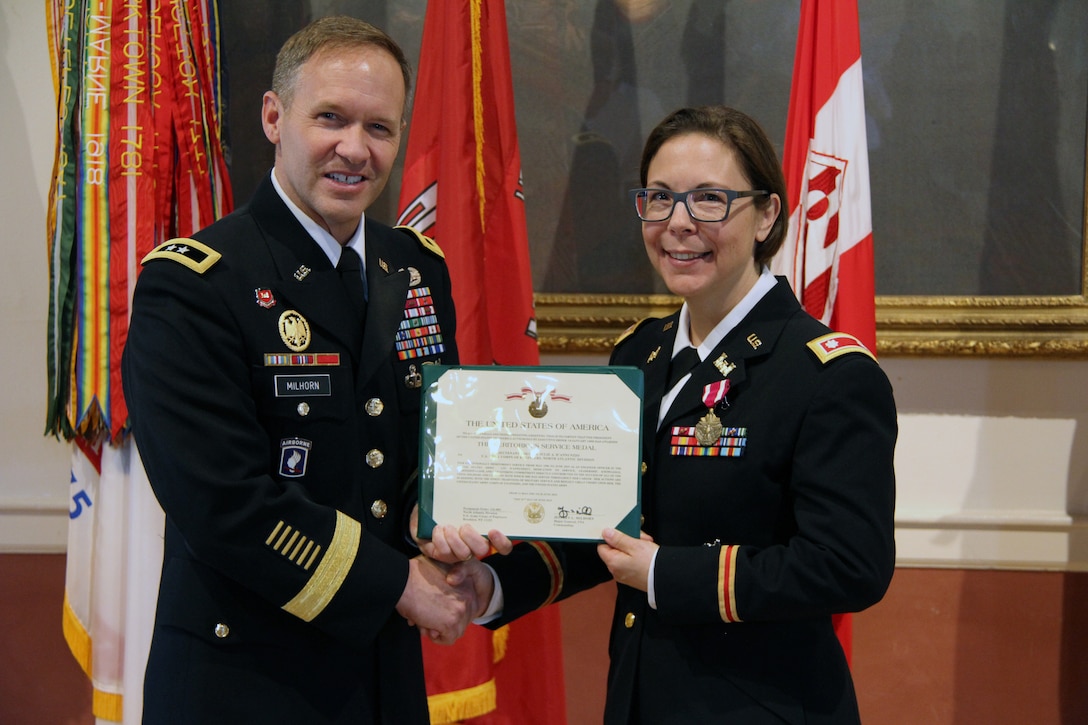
[[535, 452]]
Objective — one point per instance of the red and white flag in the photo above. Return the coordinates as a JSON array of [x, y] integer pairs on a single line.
[[828, 253], [462, 186]]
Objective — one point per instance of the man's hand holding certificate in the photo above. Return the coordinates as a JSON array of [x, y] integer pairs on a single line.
[[536, 453]]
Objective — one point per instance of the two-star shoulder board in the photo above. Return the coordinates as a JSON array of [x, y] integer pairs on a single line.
[[188, 252], [836, 344], [424, 241]]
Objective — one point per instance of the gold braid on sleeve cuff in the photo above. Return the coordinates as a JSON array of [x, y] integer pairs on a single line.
[[331, 572]]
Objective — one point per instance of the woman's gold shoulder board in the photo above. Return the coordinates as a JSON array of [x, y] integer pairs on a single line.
[[836, 344], [630, 330]]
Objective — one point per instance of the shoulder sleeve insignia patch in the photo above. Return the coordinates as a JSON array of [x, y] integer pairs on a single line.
[[425, 241], [189, 252], [829, 347]]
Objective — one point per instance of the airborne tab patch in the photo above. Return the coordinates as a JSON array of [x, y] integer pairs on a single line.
[[831, 346], [189, 252]]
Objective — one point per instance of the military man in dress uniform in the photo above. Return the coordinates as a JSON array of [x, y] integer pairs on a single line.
[[275, 404]]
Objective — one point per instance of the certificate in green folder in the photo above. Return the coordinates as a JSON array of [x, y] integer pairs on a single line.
[[551, 453]]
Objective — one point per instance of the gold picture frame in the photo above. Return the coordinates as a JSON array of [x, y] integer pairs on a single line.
[[906, 325], [547, 44], [1029, 325]]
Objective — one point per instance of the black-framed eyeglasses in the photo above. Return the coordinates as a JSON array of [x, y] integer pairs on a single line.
[[703, 205]]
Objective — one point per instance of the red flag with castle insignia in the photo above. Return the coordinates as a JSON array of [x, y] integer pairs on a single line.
[[462, 179], [828, 254], [462, 187]]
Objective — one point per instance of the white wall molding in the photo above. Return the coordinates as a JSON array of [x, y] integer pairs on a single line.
[[1023, 540], [33, 526], [1029, 540]]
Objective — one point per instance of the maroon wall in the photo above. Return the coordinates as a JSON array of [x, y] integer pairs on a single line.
[[945, 647], [40, 682]]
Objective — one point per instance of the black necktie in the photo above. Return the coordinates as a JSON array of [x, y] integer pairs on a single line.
[[684, 362], [350, 268]]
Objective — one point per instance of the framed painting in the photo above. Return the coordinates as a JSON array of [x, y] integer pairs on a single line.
[[976, 122]]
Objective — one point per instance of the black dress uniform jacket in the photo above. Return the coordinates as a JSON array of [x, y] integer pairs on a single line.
[[764, 535], [280, 435]]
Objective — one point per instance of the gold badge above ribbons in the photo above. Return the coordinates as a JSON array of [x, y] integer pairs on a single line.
[[709, 429], [294, 331]]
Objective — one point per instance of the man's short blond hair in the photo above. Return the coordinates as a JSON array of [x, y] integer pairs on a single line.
[[328, 35]]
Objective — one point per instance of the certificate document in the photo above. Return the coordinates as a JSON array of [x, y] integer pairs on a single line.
[[535, 452]]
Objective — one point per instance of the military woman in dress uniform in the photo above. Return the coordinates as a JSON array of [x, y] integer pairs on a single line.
[[768, 488]]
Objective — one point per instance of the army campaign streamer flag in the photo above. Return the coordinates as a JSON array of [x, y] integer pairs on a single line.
[[828, 253], [139, 159], [462, 186]]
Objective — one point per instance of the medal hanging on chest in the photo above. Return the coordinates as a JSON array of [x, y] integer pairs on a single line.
[[709, 428]]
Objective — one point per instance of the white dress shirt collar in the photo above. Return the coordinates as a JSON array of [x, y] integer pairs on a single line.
[[763, 285], [326, 241]]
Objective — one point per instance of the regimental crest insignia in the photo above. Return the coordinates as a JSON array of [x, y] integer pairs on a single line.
[[265, 298]]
